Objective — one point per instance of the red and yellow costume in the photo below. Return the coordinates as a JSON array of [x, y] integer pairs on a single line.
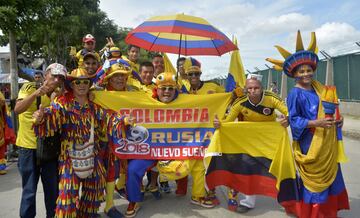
[[79, 125], [7, 135]]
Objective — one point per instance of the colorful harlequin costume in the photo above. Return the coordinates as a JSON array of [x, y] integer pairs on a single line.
[[7, 135], [137, 168], [318, 151], [82, 128]]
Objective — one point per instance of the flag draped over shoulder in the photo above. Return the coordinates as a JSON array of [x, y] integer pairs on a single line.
[[236, 76], [254, 158], [181, 129]]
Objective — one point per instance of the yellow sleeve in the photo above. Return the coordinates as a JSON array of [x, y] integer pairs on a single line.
[[26, 90], [280, 105], [235, 110]]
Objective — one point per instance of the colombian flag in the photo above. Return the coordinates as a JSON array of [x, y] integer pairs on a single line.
[[236, 76], [257, 160]]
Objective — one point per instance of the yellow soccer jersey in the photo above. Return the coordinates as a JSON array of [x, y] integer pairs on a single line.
[[133, 80], [26, 137], [148, 88], [264, 111], [80, 57], [207, 88], [134, 66]]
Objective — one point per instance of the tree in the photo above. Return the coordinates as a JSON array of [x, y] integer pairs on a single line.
[[45, 28]]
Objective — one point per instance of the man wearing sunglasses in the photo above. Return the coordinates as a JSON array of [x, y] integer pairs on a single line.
[[80, 162], [193, 72], [192, 69], [29, 167], [115, 79], [165, 91]]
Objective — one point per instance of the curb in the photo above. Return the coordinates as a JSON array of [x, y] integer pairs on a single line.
[[352, 133]]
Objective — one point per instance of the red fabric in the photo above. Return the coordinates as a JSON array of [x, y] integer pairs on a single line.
[[247, 184], [2, 151], [181, 186], [326, 210], [10, 137]]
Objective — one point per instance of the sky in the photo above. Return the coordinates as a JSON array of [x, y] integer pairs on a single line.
[[258, 25]]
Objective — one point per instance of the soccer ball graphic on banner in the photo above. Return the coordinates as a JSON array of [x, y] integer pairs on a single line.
[[137, 134]]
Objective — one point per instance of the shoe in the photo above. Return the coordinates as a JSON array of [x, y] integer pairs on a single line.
[[142, 189], [113, 213], [121, 192], [203, 202], [132, 209], [243, 209], [164, 187], [155, 192], [3, 170], [212, 197], [232, 204]]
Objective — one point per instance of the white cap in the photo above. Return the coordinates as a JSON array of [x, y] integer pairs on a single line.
[[254, 76], [56, 69]]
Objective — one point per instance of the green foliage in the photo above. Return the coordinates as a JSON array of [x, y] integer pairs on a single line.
[[47, 28]]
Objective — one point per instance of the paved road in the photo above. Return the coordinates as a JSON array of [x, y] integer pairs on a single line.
[[172, 206]]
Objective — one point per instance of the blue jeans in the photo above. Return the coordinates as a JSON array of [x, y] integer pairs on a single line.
[[136, 172], [30, 173]]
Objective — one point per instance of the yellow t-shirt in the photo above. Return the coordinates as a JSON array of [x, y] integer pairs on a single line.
[[148, 88], [134, 66], [264, 111], [26, 137], [80, 57], [132, 80], [208, 88]]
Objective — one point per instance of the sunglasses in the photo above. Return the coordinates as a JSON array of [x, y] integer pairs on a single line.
[[167, 89], [81, 81], [194, 74]]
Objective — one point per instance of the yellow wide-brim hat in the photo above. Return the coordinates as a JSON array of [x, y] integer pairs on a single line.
[[117, 68], [79, 73]]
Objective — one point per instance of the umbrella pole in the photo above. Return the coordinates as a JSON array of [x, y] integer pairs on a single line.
[[177, 70]]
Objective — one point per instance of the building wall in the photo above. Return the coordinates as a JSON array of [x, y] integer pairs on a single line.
[[350, 108]]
